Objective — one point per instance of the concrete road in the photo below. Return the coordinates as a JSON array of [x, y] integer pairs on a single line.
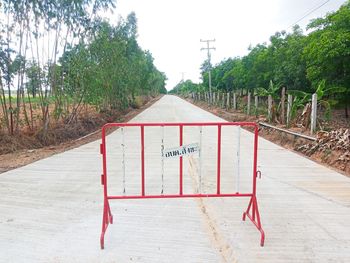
[[50, 210]]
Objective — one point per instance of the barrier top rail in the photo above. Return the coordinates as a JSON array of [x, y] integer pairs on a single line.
[[131, 124]]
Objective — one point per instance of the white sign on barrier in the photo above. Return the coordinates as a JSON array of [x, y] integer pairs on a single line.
[[181, 151]]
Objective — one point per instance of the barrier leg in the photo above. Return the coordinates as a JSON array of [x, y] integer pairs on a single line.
[[252, 213], [107, 219]]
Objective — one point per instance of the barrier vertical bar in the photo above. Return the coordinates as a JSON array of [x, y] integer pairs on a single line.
[[142, 160], [218, 160], [104, 162], [162, 152], [107, 216], [255, 169], [123, 160], [255, 158], [238, 157], [181, 162], [200, 158]]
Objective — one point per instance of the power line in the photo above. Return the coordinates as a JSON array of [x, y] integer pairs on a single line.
[[309, 13]]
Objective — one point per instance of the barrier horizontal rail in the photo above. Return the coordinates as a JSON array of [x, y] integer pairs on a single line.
[[176, 196], [251, 212]]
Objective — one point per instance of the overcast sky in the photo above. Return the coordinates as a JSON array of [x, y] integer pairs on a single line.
[[172, 29]]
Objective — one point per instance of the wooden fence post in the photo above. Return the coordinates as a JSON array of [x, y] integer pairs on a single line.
[[221, 96], [283, 98], [289, 108], [269, 109], [256, 98], [223, 100], [248, 103], [234, 101], [228, 100], [313, 113]]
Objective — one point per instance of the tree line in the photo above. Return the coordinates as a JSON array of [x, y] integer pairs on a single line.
[[304, 64], [59, 55]]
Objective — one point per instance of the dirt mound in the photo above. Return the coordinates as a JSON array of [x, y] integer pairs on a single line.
[[10, 144], [65, 132], [333, 147], [56, 134]]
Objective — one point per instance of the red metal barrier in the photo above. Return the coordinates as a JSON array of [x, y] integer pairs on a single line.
[[252, 211]]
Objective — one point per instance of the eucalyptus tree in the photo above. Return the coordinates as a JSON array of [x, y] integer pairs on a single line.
[[62, 51], [39, 31], [111, 69]]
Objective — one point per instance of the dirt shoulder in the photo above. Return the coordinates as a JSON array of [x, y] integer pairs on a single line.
[[23, 157], [332, 148]]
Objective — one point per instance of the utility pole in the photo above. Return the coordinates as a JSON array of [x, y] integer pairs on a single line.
[[182, 76], [208, 48]]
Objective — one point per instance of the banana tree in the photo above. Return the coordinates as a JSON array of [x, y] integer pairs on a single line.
[[273, 92], [302, 100]]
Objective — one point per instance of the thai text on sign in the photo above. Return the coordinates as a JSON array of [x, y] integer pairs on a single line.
[[181, 151]]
